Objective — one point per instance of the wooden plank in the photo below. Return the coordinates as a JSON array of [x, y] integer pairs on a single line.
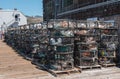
[[109, 65], [56, 73], [75, 70], [89, 67]]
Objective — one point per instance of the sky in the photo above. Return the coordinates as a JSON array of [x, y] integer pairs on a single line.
[[28, 7]]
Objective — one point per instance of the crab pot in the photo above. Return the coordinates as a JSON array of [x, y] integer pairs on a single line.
[[109, 42], [61, 61], [86, 61], [61, 44]]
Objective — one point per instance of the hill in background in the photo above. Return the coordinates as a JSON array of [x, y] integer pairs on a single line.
[[34, 19]]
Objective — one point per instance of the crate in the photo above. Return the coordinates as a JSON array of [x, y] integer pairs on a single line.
[[87, 37], [61, 44], [108, 43]]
